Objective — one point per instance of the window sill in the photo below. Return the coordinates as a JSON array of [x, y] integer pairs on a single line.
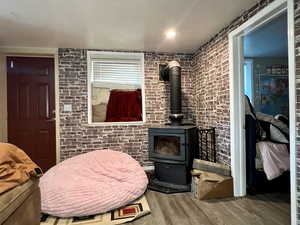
[[116, 124]]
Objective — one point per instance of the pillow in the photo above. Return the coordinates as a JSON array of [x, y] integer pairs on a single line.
[[99, 112], [273, 133], [277, 136], [100, 95], [282, 118], [270, 119], [92, 183]]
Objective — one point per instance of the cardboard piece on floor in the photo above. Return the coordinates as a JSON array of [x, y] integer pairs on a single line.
[[212, 167], [212, 186]]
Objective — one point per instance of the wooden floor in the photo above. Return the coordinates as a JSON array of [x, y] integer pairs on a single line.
[[182, 209]]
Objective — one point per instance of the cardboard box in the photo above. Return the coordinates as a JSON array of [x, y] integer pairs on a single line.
[[194, 187], [207, 185], [212, 167]]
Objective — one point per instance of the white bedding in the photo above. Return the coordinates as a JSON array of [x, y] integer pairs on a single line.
[[275, 158]]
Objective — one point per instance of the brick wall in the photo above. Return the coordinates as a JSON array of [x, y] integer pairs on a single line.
[[205, 81], [211, 72], [76, 136]]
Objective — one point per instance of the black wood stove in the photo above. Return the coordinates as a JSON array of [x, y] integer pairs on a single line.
[[173, 146]]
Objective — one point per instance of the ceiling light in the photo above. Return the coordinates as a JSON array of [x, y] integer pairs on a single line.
[[170, 34]]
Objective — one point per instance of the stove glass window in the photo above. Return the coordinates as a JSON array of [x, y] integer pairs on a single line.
[[167, 145]]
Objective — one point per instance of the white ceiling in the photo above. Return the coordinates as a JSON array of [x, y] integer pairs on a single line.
[[269, 40], [115, 24]]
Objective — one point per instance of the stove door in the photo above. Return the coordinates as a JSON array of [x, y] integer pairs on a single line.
[[167, 147]]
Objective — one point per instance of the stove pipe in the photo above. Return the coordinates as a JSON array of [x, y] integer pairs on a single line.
[[174, 70]]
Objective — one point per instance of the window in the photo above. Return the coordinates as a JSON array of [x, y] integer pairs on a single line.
[[248, 79], [115, 87]]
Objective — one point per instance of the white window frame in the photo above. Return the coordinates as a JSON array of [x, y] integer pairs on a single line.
[[114, 55]]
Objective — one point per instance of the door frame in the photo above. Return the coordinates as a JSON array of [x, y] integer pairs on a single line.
[[237, 122], [30, 52]]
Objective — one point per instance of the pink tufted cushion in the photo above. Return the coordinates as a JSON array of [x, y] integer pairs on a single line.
[[92, 183]]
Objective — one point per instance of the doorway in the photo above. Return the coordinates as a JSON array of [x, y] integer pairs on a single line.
[[266, 91], [237, 106], [31, 107]]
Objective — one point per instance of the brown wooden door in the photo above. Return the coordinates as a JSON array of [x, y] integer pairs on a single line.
[[31, 105]]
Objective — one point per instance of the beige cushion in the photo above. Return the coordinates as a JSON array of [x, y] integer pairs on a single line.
[[99, 112], [12, 199], [100, 95]]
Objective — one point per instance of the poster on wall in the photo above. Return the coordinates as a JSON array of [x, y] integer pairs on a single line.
[[274, 95]]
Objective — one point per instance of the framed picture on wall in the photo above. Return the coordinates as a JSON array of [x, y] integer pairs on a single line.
[[274, 94]]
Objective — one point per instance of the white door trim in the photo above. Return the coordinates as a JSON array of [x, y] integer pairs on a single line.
[[39, 52], [292, 109], [237, 132]]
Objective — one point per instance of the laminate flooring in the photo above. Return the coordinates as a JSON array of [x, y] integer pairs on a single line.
[[183, 209]]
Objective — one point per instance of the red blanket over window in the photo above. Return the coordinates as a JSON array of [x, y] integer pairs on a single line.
[[124, 106]]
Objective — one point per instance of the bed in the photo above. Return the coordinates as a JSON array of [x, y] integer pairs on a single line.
[[267, 154]]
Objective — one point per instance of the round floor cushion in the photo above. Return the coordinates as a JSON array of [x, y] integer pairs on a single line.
[[92, 183]]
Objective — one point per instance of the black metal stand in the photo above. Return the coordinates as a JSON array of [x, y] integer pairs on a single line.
[[207, 143]]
